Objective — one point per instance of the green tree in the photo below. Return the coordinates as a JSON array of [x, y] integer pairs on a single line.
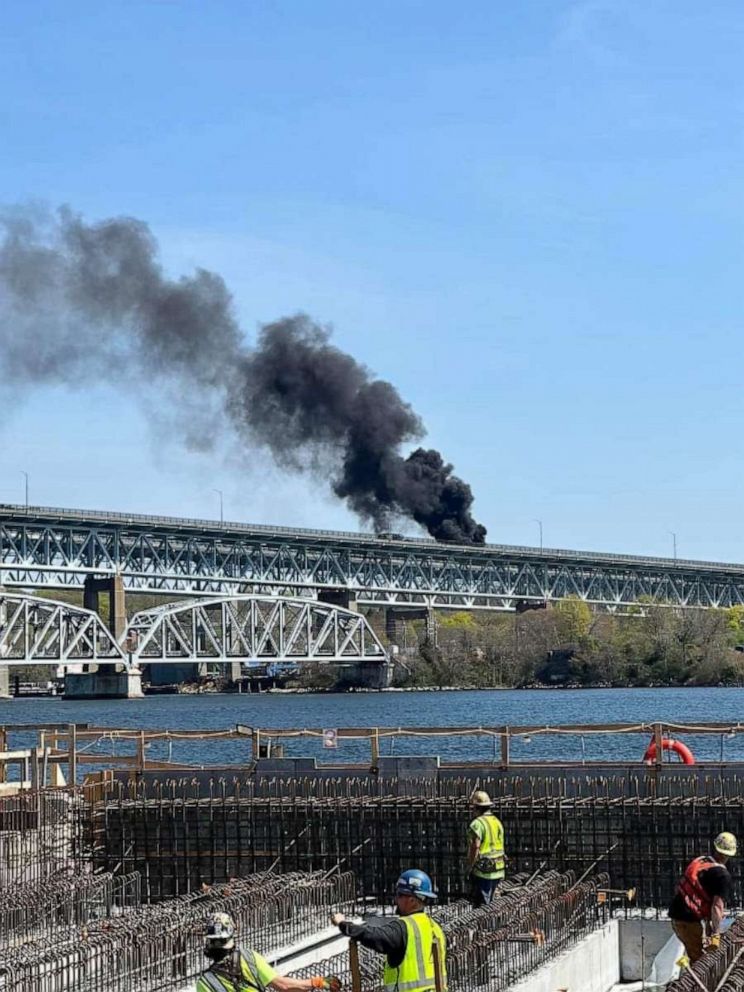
[[573, 619]]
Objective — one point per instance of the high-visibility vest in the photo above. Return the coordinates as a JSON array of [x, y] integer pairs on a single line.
[[696, 899], [237, 973], [416, 971], [491, 862]]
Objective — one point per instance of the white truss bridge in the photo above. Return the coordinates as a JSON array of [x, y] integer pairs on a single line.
[[53, 548], [37, 631]]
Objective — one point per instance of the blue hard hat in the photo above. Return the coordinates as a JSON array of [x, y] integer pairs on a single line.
[[415, 883]]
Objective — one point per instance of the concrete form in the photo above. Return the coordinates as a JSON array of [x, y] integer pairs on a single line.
[[611, 958]]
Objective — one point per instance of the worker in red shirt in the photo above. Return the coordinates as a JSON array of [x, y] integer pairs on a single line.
[[700, 899]]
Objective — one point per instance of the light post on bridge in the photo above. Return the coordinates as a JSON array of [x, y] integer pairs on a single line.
[[539, 524], [222, 514], [25, 475], [674, 544]]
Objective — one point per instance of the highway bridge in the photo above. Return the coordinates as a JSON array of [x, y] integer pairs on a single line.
[[43, 547]]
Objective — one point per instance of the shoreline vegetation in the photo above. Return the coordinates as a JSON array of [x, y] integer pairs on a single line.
[[564, 645]]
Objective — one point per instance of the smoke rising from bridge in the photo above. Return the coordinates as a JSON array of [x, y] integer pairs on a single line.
[[79, 300]]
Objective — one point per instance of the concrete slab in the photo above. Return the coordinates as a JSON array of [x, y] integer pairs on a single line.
[[640, 942], [592, 965]]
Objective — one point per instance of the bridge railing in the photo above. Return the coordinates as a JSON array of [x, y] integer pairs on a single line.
[[500, 550]]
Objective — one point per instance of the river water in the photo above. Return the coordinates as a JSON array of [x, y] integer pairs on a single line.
[[407, 709]]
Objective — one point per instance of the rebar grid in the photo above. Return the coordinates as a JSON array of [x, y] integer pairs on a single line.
[[38, 909], [161, 947], [492, 946], [180, 843], [547, 782], [37, 835], [717, 971]]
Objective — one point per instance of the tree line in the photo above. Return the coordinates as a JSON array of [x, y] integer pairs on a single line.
[[569, 644]]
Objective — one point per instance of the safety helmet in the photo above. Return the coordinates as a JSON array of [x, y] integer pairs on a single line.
[[480, 798], [415, 883], [725, 843], [220, 931]]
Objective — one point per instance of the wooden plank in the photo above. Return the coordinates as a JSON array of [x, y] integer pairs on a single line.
[[72, 756], [356, 974], [658, 737], [438, 977]]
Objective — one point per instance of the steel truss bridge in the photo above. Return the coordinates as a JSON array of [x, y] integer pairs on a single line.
[[38, 631], [42, 547]]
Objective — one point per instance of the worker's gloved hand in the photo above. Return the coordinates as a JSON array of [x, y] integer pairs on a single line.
[[330, 982], [714, 942]]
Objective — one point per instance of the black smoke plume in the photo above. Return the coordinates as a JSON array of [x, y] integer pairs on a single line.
[[78, 300]]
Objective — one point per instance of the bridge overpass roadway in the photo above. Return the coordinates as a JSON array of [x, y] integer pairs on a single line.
[[43, 547]]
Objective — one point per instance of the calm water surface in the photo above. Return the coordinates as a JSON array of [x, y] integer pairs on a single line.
[[407, 709]]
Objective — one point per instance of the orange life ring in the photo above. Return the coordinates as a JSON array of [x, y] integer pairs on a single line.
[[668, 744]]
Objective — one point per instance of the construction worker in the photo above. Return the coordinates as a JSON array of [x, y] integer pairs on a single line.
[[486, 858], [701, 897], [234, 969], [407, 940]]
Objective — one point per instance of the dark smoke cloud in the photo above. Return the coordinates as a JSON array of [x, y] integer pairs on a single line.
[[77, 299]]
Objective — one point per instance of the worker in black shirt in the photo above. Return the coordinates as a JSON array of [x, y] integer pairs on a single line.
[[407, 940], [701, 898]]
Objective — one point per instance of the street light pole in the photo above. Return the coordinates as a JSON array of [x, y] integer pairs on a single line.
[[674, 543], [25, 474], [222, 515], [539, 524]]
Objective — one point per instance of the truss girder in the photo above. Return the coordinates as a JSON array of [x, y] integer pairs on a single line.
[[252, 628], [60, 553], [36, 631]]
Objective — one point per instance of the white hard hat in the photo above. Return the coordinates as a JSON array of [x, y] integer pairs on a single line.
[[725, 843], [220, 931], [480, 798]]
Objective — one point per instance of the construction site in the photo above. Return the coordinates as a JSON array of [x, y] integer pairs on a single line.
[[117, 846]]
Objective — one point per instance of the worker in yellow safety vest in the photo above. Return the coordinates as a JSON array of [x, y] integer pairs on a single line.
[[486, 857], [237, 969], [412, 942]]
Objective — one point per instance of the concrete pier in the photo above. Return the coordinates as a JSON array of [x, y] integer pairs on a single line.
[[4, 669], [105, 683]]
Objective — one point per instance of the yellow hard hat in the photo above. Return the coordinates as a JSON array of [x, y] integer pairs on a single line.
[[725, 843], [480, 798]]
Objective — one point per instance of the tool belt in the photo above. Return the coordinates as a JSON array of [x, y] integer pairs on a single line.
[[488, 864]]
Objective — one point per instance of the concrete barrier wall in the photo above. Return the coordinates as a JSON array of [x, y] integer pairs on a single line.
[[592, 965]]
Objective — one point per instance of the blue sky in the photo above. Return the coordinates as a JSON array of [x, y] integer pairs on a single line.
[[526, 216]]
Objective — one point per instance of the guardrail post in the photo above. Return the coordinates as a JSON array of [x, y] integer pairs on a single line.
[[504, 747], [375, 747], [658, 738], [72, 754]]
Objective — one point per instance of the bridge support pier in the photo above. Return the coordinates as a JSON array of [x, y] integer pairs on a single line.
[[117, 611], [4, 669], [396, 616], [370, 675], [106, 683], [344, 598]]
